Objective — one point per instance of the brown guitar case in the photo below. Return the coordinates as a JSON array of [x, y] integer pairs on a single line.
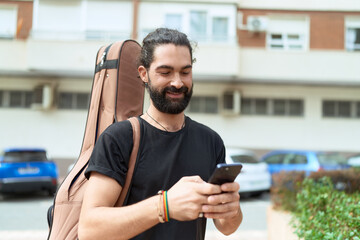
[[117, 94]]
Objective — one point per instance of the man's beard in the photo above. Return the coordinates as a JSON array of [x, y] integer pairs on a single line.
[[167, 105]]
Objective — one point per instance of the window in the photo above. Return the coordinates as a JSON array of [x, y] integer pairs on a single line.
[[295, 108], [58, 20], [25, 156], [203, 23], [200, 104], [220, 29], [173, 21], [108, 20], [254, 106], [288, 33], [331, 158], [341, 109], [279, 107], [244, 159], [275, 107], [16, 99], [89, 19], [67, 100], [1, 98], [352, 34], [260, 106], [198, 25], [228, 101], [298, 159], [82, 100], [20, 99], [275, 159], [8, 20], [283, 107]]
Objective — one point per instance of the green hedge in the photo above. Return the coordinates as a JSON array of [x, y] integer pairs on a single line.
[[324, 213], [325, 205]]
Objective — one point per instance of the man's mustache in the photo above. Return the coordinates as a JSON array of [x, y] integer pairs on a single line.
[[173, 89]]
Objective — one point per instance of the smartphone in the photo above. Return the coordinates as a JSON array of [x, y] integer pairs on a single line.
[[224, 173]]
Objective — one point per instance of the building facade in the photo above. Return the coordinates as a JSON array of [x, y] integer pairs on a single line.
[[268, 75]]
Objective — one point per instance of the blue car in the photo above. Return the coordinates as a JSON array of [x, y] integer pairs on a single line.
[[27, 170], [308, 161]]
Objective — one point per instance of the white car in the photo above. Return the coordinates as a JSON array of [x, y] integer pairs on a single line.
[[354, 161], [254, 178]]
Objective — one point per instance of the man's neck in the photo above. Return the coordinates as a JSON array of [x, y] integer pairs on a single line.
[[164, 121]]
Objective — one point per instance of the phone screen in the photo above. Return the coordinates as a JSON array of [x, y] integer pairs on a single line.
[[225, 173]]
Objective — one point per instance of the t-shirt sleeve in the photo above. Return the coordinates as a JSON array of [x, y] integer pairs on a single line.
[[221, 156], [112, 151]]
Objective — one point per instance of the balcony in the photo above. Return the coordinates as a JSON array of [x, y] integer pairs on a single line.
[[305, 67], [76, 57]]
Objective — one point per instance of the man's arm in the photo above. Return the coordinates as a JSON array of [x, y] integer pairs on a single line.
[[225, 209], [100, 220]]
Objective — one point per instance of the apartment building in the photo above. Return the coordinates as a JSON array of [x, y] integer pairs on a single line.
[[268, 75], [298, 74]]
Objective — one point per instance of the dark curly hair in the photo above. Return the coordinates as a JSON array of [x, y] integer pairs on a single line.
[[159, 37]]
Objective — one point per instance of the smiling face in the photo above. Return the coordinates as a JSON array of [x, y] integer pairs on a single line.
[[169, 78]]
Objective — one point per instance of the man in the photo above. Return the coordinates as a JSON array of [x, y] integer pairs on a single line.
[[176, 154]]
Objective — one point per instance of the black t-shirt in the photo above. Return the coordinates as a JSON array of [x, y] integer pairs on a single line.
[[163, 159]]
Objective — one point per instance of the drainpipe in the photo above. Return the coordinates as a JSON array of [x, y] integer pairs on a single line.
[[135, 19]]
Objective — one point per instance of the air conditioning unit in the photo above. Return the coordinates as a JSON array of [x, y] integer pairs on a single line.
[[257, 23], [231, 102], [43, 97]]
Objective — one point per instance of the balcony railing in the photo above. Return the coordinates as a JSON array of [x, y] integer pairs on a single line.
[[89, 35]]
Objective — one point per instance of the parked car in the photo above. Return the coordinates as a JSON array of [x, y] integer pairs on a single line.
[[308, 161], [354, 161], [254, 177], [27, 170]]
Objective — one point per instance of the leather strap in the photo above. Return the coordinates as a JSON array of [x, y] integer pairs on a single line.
[[136, 142]]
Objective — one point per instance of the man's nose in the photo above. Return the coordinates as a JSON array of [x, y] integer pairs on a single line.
[[176, 81]]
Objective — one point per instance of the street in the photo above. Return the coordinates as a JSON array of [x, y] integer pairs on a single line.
[[24, 217]]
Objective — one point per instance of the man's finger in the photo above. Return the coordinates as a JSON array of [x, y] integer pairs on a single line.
[[230, 187]]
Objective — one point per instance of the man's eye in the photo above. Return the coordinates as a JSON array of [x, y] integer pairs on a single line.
[[185, 73], [165, 73]]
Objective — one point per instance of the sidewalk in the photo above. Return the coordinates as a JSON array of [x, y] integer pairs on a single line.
[[210, 235]]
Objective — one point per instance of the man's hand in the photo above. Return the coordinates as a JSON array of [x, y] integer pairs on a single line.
[[225, 209], [187, 197], [224, 205]]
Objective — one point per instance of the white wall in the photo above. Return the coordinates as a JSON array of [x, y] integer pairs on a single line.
[[59, 131], [327, 67], [13, 55], [311, 131]]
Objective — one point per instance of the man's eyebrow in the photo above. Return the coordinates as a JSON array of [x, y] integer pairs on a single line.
[[187, 66], [172, 68], [165, 66]]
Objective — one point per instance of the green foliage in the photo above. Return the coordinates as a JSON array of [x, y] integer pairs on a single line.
[[325, 205], [321, 212]]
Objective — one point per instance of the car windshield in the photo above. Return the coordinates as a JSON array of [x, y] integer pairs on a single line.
[[25, 156], [244, 159], [331, 158]]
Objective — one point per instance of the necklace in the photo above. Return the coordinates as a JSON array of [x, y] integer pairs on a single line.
[[161, 124]]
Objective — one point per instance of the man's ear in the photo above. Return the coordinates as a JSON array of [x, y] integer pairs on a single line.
[[142, 73]]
